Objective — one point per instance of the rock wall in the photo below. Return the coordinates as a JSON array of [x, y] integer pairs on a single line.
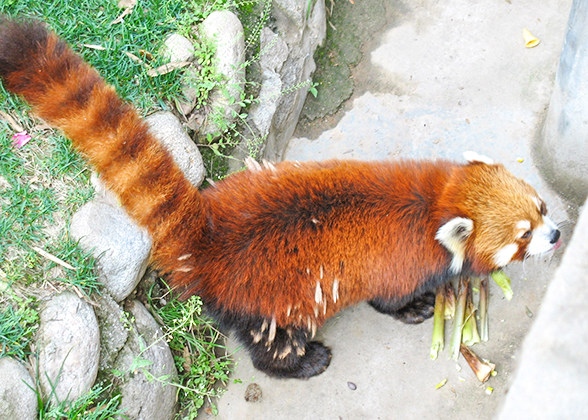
[[562, 150], [287, 65]]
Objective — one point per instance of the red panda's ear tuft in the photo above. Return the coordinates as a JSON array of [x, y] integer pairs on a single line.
[[473, 157], [453, 235]]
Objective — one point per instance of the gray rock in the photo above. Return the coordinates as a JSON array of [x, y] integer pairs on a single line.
[[561, 150], [302, 37], [262, 113], [113, 334], [274, 54], [68, 341], [17, 400], [289, 59], [168, 129], [143, 399], [177, 48], [274, 51], [121, 247], [290, 56], [225, 30]]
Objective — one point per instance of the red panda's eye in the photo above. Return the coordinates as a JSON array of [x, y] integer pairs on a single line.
[[526, 235]]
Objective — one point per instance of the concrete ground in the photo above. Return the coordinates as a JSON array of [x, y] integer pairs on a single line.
[[446, 77]]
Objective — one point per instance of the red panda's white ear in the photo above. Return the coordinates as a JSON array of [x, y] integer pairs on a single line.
[[452, 235], [473, 157]]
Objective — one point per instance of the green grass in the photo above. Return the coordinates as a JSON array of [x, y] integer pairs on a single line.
[[18, 322], [91, 406]]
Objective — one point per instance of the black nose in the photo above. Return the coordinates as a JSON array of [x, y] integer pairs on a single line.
[[554, 236]]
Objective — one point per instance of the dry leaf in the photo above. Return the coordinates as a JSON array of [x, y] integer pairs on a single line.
[[125, 13], [134, 58], [166, 68], [94, 47], [146, 54]]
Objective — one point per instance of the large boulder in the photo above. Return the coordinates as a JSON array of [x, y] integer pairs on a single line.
[[68, 343], [18, 399]]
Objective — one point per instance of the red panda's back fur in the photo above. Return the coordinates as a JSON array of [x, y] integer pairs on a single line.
[[278, 233]]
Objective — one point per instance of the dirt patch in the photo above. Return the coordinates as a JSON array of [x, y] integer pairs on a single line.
[[343, 69]]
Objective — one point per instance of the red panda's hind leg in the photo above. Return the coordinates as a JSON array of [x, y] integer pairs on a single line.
[[284, 352], [414, 311]]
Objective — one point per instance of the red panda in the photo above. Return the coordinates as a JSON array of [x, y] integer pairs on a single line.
[[275, 251]]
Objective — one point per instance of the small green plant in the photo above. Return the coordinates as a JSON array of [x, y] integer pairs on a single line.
[[202, 361], [205, 78]]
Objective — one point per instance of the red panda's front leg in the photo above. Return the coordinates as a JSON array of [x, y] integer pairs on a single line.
[[414, 312]]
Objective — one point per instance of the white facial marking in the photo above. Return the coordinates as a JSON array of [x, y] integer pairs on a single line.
[[524, 225], [504, 255], [452, 235], [541, 241], [475, 157]]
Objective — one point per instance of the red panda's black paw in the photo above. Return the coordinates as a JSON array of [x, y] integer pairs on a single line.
[[314, 361], [414, 312], [417, 310]]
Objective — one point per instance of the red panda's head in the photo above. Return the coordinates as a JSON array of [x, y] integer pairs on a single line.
[[501, 218]]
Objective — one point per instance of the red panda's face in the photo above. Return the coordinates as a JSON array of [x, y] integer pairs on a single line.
[[505, 220], [534, 234]]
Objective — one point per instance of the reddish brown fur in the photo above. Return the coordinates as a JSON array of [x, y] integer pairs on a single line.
[[267, 247]]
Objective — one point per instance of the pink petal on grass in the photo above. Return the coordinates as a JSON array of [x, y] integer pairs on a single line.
[[20, 139]]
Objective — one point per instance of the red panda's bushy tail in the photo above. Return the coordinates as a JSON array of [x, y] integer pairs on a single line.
[[69, 94]]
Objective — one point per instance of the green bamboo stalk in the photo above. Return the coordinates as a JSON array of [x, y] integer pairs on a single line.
[[458, 319], [483, 311], [503, 281], [449, 300], [470, 334], [476, 284], [438, 323]]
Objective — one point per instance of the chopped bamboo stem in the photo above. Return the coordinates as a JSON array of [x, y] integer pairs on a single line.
[[483, 370], [449, 300], [470, 334], [438, 323], [458, 319], [483, 311], [476, 281], [503, 281]]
